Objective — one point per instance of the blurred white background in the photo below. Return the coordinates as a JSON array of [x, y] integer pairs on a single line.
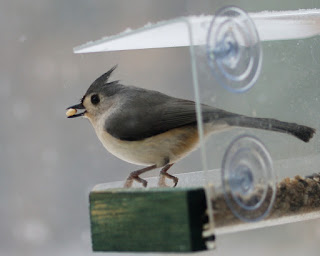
[[49, 163]]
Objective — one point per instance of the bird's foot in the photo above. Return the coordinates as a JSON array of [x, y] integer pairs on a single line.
[[130, 179], [162, 181], [164, 175], [135, 176]]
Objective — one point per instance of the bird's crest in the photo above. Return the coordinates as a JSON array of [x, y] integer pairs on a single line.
[[103, 80]]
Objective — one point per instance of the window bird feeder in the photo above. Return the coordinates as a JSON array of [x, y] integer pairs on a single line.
[[262, 181]]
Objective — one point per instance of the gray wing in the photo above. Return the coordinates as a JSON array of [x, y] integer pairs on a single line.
[[149, 113]]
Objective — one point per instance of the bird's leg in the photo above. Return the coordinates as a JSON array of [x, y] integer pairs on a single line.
[[164, 175], [135, 176]]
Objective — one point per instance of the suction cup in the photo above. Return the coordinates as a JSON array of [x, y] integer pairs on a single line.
[[248, 179], [234, 50]]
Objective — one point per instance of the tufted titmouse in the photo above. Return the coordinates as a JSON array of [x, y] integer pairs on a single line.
[[150, 128]]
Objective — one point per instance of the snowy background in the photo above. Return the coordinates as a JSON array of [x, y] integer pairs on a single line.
[[49, 163]]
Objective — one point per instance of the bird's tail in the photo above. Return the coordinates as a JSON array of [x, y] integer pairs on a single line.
[[302, 132]]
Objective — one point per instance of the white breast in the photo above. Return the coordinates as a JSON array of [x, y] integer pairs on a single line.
[[172, 145]]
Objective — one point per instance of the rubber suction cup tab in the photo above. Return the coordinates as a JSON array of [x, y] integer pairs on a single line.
[[248, 179], [234, 50]]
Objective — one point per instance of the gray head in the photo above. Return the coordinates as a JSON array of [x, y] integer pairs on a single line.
[[99, 97]]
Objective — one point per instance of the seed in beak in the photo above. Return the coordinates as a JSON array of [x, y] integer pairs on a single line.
[[71, 112]]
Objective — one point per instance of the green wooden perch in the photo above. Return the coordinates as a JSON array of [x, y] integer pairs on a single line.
[[148, 220]]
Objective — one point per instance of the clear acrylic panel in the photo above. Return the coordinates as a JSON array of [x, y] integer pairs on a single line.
[[274, 80]]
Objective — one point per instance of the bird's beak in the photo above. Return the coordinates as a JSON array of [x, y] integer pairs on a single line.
[[78, 106]]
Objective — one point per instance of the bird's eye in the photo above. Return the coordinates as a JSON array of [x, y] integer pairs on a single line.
[[95, 99]]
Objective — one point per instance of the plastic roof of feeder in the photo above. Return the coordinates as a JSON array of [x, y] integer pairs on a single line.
[[271, 25]]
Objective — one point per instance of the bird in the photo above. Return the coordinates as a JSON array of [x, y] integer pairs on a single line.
[[154, 130]]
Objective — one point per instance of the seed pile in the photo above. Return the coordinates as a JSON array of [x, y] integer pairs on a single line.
[[296, 195]]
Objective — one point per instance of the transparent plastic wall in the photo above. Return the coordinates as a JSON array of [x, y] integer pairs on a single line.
[[287, 89], [266, 173]]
